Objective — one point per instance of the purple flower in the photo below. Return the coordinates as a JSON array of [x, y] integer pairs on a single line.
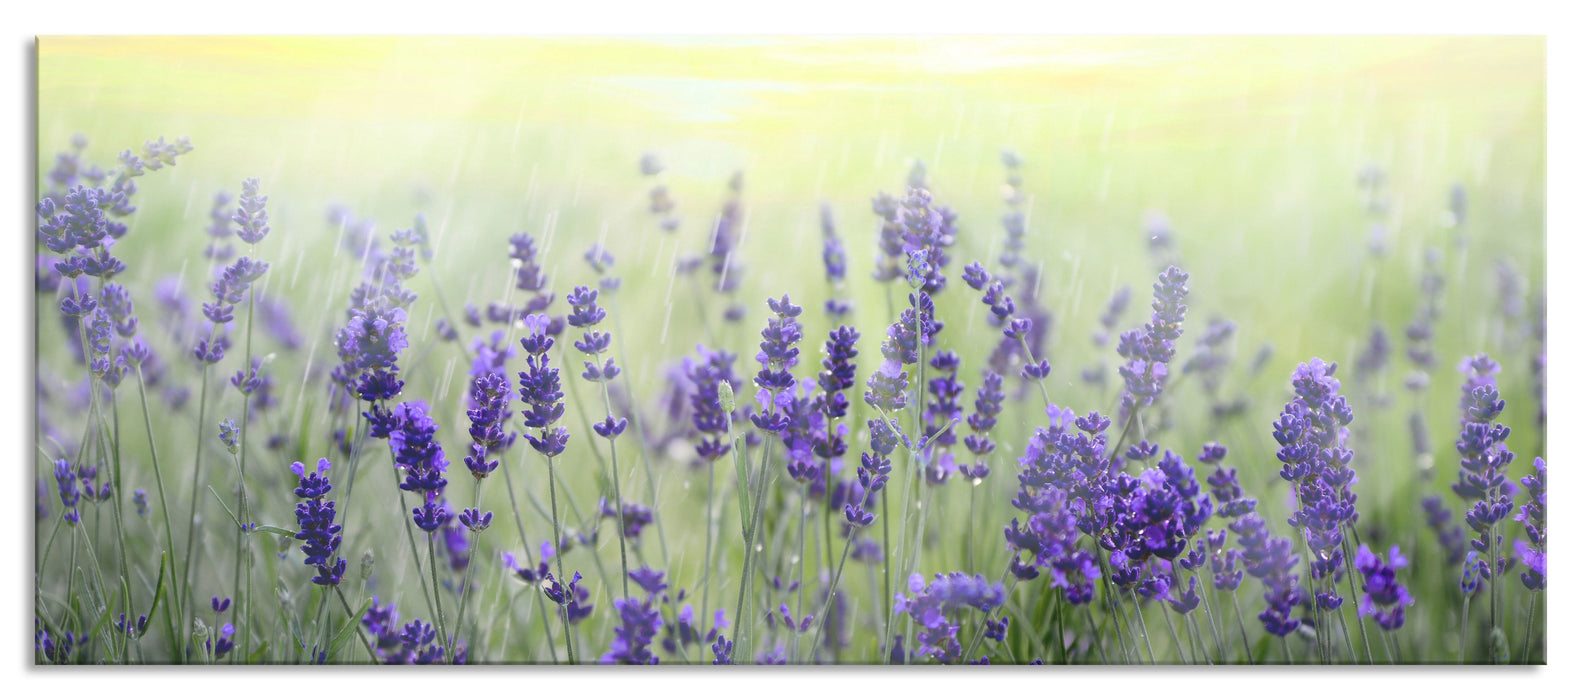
[[942, 411], [1450, 535], [229, 435], [70, 494], [932, 606], [926, 233], [1269, 559], [834, 261], [1210, 359], [276, 317], [1533, 551], [1148, 351], [632, 518], [1482, 480], [570, 596], [116, 301], [219, 230], [539, 389], [723, 239], [529, 274], [639, 622], [369, 345], [1312, 435], [649, 580], [251, 219], [221, 644], [1112, 315], [418, 454], [1383, 595], [777, 354], [491, 398], [709, 417], [1065, 490], [872, 474], [316, 519], [603, 262], [887, 267], [986, 409]]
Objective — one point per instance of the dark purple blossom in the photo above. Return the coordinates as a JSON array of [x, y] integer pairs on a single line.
[[632, 518], [491, 398], [986, 410], [418, 455], [777, 354], [1384, 596], [709, 417], [316, 519], [539, 389], [1065, 490], [70, 493], [571, 596], [639, 623]]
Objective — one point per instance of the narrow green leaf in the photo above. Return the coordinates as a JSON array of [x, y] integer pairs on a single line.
[[227, 508], [350, 628], [169, 616], [159, 586], [742, 503], [275, 530], [104, 617], [258, 654]]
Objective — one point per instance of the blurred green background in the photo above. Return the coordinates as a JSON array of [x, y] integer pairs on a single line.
[[1249, 147]]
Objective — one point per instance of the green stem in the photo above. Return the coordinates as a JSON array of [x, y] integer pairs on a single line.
[[615, 472], [1143, 623], [708, 549], [746, 587], [192, 508], [1181, 652], [829, 599], [120, 523], [1093, 628], [1356, 601], [560, 569], [244, 609], [472, 555], [642, 436], [1527, 645], [1241, 624], [516, 514], [801, 574], [411, 540], [1466, 609], [439, 603], [159, 481], [360, 634]]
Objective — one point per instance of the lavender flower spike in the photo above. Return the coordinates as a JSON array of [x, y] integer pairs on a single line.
[[316, 518], [1533, 551], [1482, 479], [1384, 596]]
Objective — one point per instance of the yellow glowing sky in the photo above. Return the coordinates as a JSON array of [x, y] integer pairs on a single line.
[[475, 77]]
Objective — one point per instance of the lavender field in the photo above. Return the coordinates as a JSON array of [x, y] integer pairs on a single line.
[[709, 351]]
